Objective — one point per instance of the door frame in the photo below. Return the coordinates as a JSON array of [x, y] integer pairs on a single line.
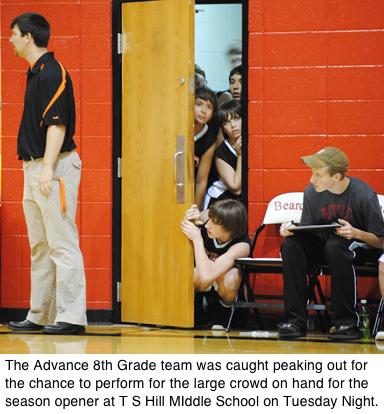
[[116, 135]]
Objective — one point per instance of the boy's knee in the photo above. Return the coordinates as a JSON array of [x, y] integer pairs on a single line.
[[381, 268], [335, 247], [232, 279], [381, 277], [289, 246]]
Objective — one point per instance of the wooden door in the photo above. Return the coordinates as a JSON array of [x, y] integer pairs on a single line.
[[157, 161]]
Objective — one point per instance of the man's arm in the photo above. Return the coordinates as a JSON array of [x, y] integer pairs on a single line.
[[54, 142]]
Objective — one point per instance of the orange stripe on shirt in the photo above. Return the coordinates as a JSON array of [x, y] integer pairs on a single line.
[[59, 91]]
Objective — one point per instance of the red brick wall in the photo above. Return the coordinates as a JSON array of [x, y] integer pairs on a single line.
[[315, 79], [316, 71], [81, 40]]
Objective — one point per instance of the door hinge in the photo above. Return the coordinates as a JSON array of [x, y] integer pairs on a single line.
[[118, 292], [119, 167], [119, 43]]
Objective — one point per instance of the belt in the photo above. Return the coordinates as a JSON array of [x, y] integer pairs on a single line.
[[30, 158]]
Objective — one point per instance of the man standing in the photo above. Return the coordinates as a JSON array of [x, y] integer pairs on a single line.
[[52, 170], [332, 196]]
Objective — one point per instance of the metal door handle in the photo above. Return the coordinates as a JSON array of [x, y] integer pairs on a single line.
[[179, 169], [175, 169]]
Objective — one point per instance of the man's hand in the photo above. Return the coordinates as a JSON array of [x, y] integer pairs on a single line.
[[190, 230], [45, 180], [193, 214], [284, 229], [347, 231]]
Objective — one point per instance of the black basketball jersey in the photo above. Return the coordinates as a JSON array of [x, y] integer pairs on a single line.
[[227, 153], [217, 190], [214, 249], [203, 142]]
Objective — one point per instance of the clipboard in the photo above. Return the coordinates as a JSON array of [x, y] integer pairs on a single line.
[[316, 228]]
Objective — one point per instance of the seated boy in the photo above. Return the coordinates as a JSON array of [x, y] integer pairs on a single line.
[[217, 243], [331, 196]]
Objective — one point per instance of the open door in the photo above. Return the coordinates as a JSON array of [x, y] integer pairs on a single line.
[[157, 161]]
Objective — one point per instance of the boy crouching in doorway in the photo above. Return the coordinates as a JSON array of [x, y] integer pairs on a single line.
[[219, 236]]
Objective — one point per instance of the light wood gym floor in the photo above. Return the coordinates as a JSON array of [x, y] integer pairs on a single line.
[[128, 339]]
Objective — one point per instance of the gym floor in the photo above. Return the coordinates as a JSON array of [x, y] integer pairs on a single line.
[[129, 339]]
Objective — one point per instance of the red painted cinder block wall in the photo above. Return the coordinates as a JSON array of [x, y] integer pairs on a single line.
[[315, 79], [81, 40], [316, 71]]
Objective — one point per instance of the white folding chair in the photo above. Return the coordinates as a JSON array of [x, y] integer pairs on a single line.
[[282, 208]]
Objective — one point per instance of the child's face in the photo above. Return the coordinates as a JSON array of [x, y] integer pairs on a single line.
[[217, 231], [203, 111], [232, 126], [235, 86]]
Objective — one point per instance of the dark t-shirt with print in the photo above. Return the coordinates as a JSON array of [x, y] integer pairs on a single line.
[[358, 205]]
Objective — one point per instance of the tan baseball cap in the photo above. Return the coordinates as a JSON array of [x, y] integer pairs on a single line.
[[328, 157]]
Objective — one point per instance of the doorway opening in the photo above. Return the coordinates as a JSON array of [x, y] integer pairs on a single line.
[[221, 38], [221, 84]]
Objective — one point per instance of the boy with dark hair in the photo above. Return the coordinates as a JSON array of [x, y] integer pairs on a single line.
[[332, 196], [227, 158], [235, 79], [200, 78], [52, 170], [205, 131], [217, 244]]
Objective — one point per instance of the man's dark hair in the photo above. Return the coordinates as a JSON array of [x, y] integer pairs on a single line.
[[232, 215], [36, 25], [229, 109], [238, 70]]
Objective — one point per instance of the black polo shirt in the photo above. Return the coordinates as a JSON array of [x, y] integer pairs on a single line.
[[48, 101]]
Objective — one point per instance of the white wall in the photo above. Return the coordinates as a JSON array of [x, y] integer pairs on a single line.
[[215, 29]]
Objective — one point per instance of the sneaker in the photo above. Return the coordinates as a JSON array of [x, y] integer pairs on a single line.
[[290, 330], [379, 336], [345, 333], [217, 327]]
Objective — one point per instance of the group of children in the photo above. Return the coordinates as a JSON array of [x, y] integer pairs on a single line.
[[217, 135], [219, 237], [217, 222]]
